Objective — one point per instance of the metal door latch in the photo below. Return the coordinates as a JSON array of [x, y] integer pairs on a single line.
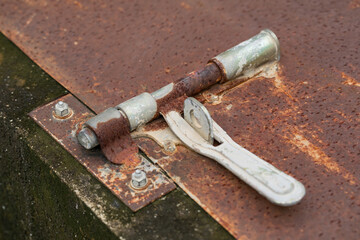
[[111, 128], [197, 130]]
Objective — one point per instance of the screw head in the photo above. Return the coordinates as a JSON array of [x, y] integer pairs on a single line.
[[61, 109], [138, 179]]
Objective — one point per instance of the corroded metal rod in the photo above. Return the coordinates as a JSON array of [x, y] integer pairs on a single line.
[[233, 63]]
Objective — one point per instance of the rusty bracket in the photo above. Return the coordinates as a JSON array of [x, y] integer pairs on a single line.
[[115, 177]]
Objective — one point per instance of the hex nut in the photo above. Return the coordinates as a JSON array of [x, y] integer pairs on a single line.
[[138, 179], [61, 109]]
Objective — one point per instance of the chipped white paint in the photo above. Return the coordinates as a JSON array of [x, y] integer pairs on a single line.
[[106, 171], [160, 136], [74, 131]]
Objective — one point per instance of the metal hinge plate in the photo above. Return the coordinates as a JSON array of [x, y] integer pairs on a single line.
[[115, 177]]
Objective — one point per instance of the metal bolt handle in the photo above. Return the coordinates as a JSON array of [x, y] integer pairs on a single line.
[[235, 62], [278, 187]]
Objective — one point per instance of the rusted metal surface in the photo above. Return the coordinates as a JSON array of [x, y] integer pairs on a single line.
[[331, 207], [246, 59], [114, 50], [304, 121], [116, 177]]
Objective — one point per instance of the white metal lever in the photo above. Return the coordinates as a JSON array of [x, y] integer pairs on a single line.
[[273, 184]]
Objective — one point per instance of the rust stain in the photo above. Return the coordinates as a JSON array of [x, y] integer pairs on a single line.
[[41, 3], [185, 5], [193, 83], [349, 80], [232, 203], [319, 156], [279, 80], [167, 70], [354, 4], [78, 4], [296, 137]]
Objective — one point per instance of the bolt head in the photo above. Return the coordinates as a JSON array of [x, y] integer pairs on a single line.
[[138, 179], [61, 109], [87, 138]]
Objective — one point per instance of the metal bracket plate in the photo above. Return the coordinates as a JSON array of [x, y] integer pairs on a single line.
[[115, 177]]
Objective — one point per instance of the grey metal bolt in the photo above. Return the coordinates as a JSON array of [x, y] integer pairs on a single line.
[[138, 179], [61, 109], [87, 138]]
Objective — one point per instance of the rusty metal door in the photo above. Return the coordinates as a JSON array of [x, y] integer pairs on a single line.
[[304, 119]]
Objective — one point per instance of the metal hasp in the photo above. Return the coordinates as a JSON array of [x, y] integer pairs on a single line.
[[235, 62], [278, 187]]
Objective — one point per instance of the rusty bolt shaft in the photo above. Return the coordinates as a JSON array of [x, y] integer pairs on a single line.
[[233, 63]]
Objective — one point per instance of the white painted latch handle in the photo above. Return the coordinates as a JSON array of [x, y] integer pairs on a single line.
[[198, 130]]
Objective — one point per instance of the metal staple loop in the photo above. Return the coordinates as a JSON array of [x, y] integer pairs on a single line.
[[113, 134]]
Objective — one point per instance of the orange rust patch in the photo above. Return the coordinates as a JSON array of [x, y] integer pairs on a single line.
[[279, 83], [185, 5], [354, 4], [77, 3], [349, 80], [319, 156]]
